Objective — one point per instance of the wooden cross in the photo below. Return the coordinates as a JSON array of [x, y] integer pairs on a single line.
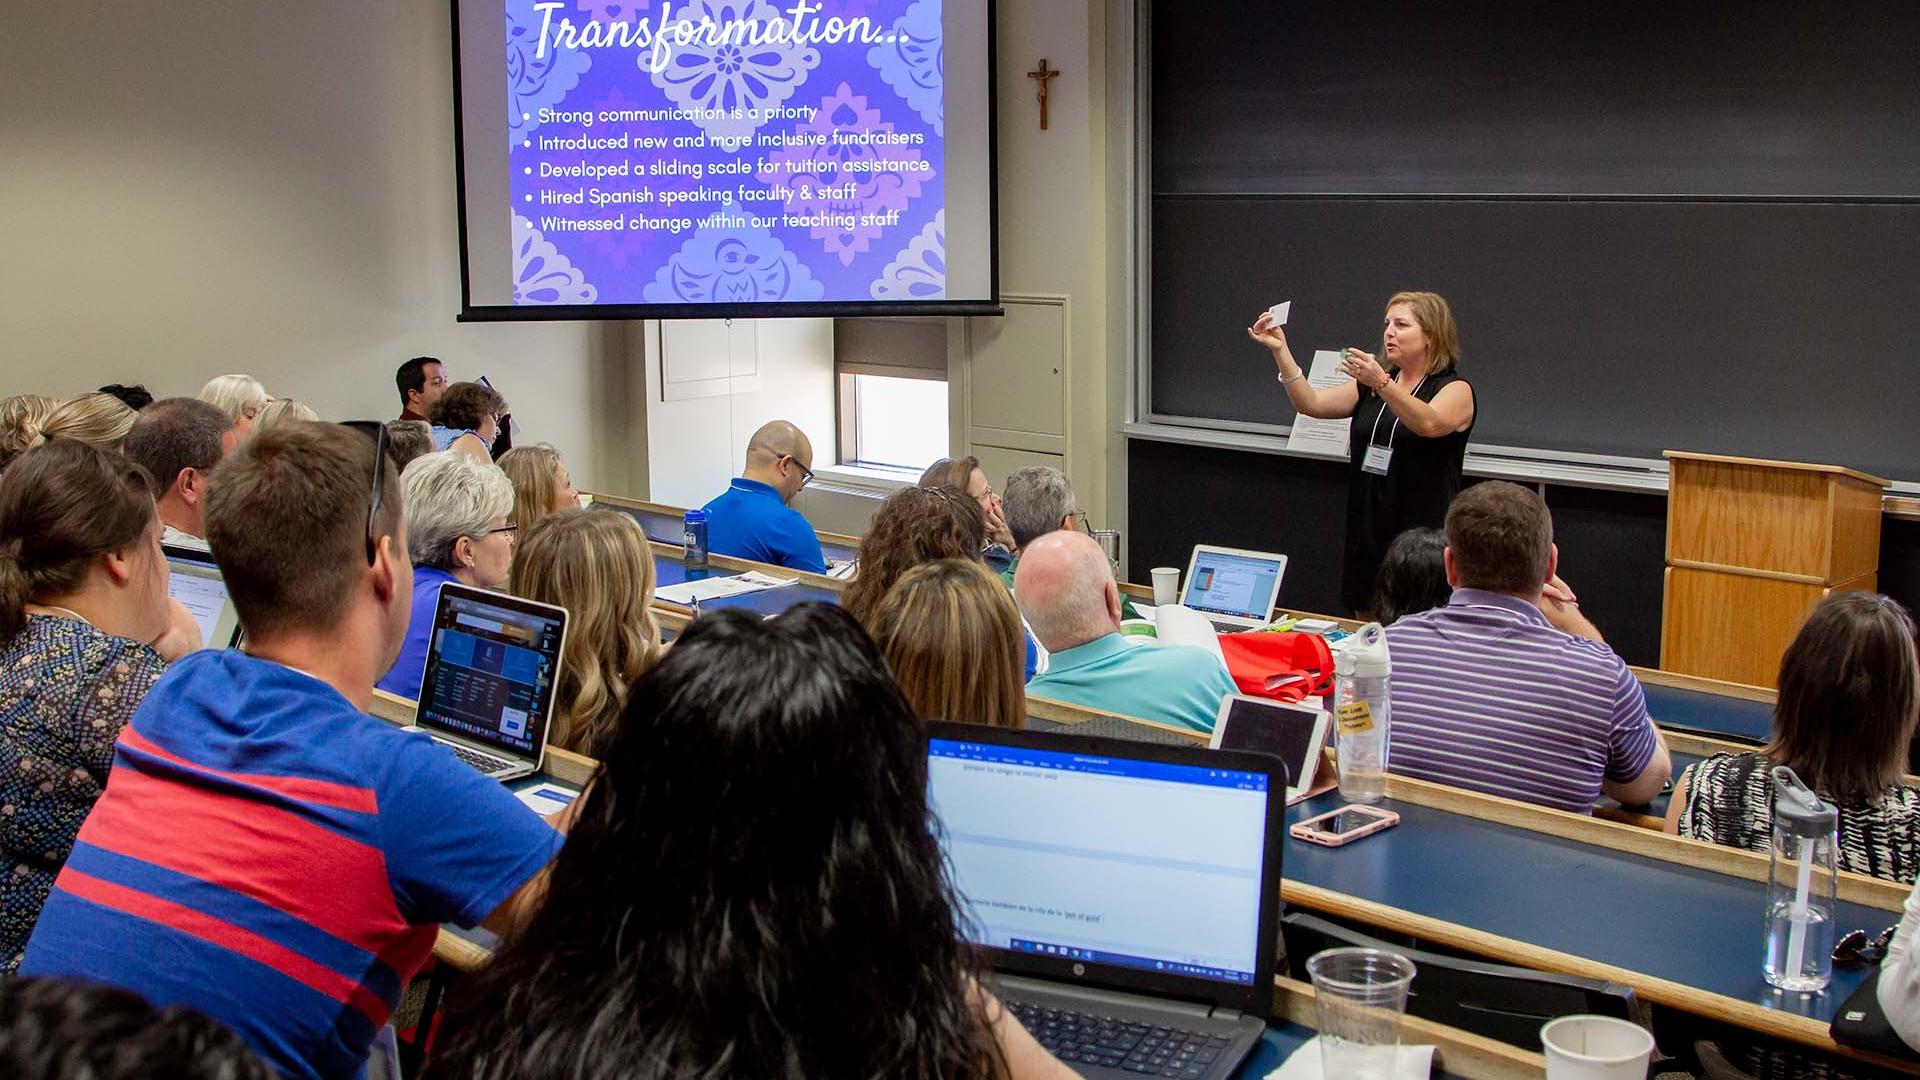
[[1040, 76]]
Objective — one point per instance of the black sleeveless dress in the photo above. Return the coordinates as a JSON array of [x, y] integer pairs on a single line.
[[1422, 478]]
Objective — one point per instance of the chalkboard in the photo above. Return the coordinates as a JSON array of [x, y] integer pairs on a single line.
[[1678, 225]]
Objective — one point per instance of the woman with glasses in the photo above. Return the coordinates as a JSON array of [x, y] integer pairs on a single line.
[[1843, 724], [458, 529], [965, 474], [240, 397], [466, 419]]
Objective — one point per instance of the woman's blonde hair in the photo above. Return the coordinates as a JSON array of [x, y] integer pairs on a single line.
[[1430, 310], [20, 419], [532, 469], [236, 395], [282, 410], [952, 635], [597, 565], [100, 420]]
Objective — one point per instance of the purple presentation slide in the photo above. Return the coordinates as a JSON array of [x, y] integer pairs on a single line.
[[725, 151]]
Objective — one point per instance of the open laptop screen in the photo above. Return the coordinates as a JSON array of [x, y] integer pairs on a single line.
[[1229, 584], [1105, 860], [491, 669], [194, 580]]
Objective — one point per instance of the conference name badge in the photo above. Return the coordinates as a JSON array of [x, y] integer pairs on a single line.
[[1377, 460], [1355, 718]]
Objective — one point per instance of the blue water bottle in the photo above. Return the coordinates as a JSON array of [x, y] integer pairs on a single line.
[[694, 536]]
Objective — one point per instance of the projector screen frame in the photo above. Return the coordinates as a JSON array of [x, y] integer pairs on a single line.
[[472, 313]]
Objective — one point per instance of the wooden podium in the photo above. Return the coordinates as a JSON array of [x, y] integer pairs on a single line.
[[1751, 547]]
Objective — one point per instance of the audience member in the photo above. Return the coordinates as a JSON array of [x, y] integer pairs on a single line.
[[58, 1029], [285, 410], [541, 485], [179, 441], [1492, 694], [597, 565], [913, 526], [458, 529], [100, 420], [85, 630], [1039, 500], [965, 474], [467, 418], [1413, 576], [265, 851], [241, 397], [136, 397], [818, 938], [751, 519], [421, 381], [408, 439], [21, 418], [1065, 588], [954, 641], [1843, 721]]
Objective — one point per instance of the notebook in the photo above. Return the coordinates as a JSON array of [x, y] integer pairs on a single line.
[[1234, 588], [487, 691], [1126, 894]]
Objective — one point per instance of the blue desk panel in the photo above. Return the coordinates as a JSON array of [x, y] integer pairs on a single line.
[[669, 570], [666, 529], [1687, 926], [1709, 714]]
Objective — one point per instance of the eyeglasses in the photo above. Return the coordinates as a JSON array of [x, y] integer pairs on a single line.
[[1855, 947], [806, 474], [507, 528], [377, 431], [1086, 525]]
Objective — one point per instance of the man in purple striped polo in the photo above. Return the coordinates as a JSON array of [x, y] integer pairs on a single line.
[[1510, 693]]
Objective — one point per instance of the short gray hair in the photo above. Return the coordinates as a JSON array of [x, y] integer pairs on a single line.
[[451, 495], [1036, 500]]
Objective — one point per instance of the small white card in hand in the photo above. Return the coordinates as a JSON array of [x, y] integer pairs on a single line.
[[1277, 314]]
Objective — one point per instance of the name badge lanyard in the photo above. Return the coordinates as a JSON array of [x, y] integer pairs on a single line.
[[1380, 457]]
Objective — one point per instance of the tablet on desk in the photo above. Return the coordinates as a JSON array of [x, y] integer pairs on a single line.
[[1294, 733]]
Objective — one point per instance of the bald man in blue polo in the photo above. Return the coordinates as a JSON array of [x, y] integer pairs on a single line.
[[752, 520]]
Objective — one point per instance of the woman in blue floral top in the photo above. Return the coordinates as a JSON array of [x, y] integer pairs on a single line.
[[85, 629]]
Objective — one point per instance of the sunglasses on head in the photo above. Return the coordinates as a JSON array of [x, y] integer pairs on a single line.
[[376, 431]]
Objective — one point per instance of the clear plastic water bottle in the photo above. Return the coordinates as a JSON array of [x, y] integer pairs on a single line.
[[1801, 889], [1362, 677], [694, 538]]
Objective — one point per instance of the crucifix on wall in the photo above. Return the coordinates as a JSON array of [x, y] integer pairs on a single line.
[[1041, 76]]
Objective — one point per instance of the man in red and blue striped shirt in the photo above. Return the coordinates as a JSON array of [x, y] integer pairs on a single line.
[[265, 852], [1506, 692]]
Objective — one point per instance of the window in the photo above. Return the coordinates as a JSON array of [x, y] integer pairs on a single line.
[[893, 392], [898, 423]]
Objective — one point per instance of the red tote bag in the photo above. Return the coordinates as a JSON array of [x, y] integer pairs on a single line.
[[1285, 667]]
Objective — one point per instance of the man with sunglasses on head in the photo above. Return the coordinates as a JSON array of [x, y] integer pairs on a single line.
[[266, 852], [752, 520]]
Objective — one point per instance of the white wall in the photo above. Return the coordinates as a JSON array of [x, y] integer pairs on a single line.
[[194, 188]]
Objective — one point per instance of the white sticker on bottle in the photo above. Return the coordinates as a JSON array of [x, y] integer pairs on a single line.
[[1377, 460]]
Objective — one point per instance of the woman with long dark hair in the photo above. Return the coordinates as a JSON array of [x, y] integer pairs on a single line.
[[752, 888]]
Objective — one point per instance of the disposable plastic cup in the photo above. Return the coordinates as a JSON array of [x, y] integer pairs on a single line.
[[1166, 585], [1596, 1048], [1360, 996]]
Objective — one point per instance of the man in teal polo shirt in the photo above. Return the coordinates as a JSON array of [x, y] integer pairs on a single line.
[[752, 520], [1065, 589]]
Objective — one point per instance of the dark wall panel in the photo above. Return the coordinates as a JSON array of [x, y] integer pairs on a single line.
[[1613, 553]]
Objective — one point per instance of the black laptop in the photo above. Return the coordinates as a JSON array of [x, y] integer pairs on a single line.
[[1126, 894]]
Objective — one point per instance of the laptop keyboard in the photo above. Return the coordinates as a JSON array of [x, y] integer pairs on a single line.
[[486, 763], [1230, 628], [1147, 1049]]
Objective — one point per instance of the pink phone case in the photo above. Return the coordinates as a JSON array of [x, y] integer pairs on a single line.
[[1307, 830]]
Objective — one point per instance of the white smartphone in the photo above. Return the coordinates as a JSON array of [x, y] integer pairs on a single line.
[[1344, 826]]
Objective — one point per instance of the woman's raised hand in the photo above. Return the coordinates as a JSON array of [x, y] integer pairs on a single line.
[[1363, 369], [1264, 332]]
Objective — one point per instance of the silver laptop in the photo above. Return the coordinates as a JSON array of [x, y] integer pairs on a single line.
[[1126, 894], [194, 579], [487, 692], [1233, 587]]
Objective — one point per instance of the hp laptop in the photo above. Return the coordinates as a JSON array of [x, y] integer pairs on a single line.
[[487, 692], [1235, 589], [195, 581], [1126, 894]]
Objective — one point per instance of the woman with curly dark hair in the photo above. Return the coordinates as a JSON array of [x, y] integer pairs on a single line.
[[752, 888], [915, 525]]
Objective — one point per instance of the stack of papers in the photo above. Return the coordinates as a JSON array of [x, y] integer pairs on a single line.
[[688, 593]]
